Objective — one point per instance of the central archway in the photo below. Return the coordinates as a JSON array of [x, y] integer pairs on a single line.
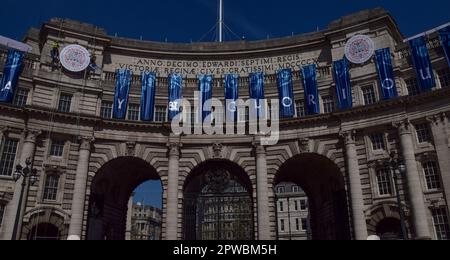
[[324, 185], [218, 203], [110, 193]]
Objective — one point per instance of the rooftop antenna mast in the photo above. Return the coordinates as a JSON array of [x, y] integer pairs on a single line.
[[221, 21]]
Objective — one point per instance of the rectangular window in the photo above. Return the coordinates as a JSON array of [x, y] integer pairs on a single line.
[[57, 148], [296, 205], [328, 104], [304, 224], [8, 156], [281, 189], [378, 143], [21, 97], [441, 225], [2, 212], [106, 109], [282, 227], [369, 95], [294, 189], [51, 187], [133, 112], [297, 224], [65, 102], [301, 110], [160, 114], [431, 173], [423, 133], [413, 87], [281, 206], [444, 77], [303, 205], [384, 182]]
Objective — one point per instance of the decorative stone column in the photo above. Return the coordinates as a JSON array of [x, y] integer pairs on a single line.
[[28, 148], [262, 193], [79, 193], [440, 128], [356, 194], [415, 192], [172, 192], [129, 225]]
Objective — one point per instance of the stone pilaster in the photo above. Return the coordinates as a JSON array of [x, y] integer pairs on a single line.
[[415, 192], [172, 192], [440, 129], [28, 149], [79, 193], [357, 201], [262, 191]]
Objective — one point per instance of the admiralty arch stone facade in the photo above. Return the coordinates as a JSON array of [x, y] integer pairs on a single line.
[[89, 164]]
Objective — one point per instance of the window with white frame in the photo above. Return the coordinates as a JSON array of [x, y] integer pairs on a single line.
[[160, 114], [441, 225], [369, 96], [282, 226], [297, 224], [378, 142], [2, 212], [423, 133], [57, 148], [431, 173], [413, 87], [296, 205], [303, 205], [133, 112], [106, 109], [295, 189], [300, 107], [304, 224], [444, 77], [21, 97], [281, 206], [65, 102], [8, 156], [384, 182], [281, 189], [328, 104], [51, 187]]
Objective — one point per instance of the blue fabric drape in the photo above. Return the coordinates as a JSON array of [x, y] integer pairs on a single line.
[[175, 95], [309, 74], [205, 84], [386, 76], [286, 93], [11, 74], [256, 92], [422, 63], [231, 95], [123, 84], [341, 73], [148, 96], [444, 34]]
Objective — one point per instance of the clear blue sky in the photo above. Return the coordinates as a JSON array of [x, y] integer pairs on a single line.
[[150, 193], [186, 20]]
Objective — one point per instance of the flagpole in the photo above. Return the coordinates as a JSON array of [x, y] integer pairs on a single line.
[[427, 32], [220, 20]]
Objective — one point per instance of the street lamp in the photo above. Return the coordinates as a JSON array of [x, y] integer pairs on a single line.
[[397, 169], [26, 173]]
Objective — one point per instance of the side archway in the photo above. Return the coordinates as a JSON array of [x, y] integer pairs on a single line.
[[218, 203], [324, 184], [111, 189]]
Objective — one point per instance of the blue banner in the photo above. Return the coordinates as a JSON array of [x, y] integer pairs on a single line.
[[286, 93], [148, 96], [445, 41], [341, 73], [123, 84], [231, 95], [11, 73], [422, 63], [205, 84], [386, 76], [309, 74], [257, 93], [175, 95]]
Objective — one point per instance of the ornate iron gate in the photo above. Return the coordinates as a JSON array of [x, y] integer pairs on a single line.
[[222, 210]]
